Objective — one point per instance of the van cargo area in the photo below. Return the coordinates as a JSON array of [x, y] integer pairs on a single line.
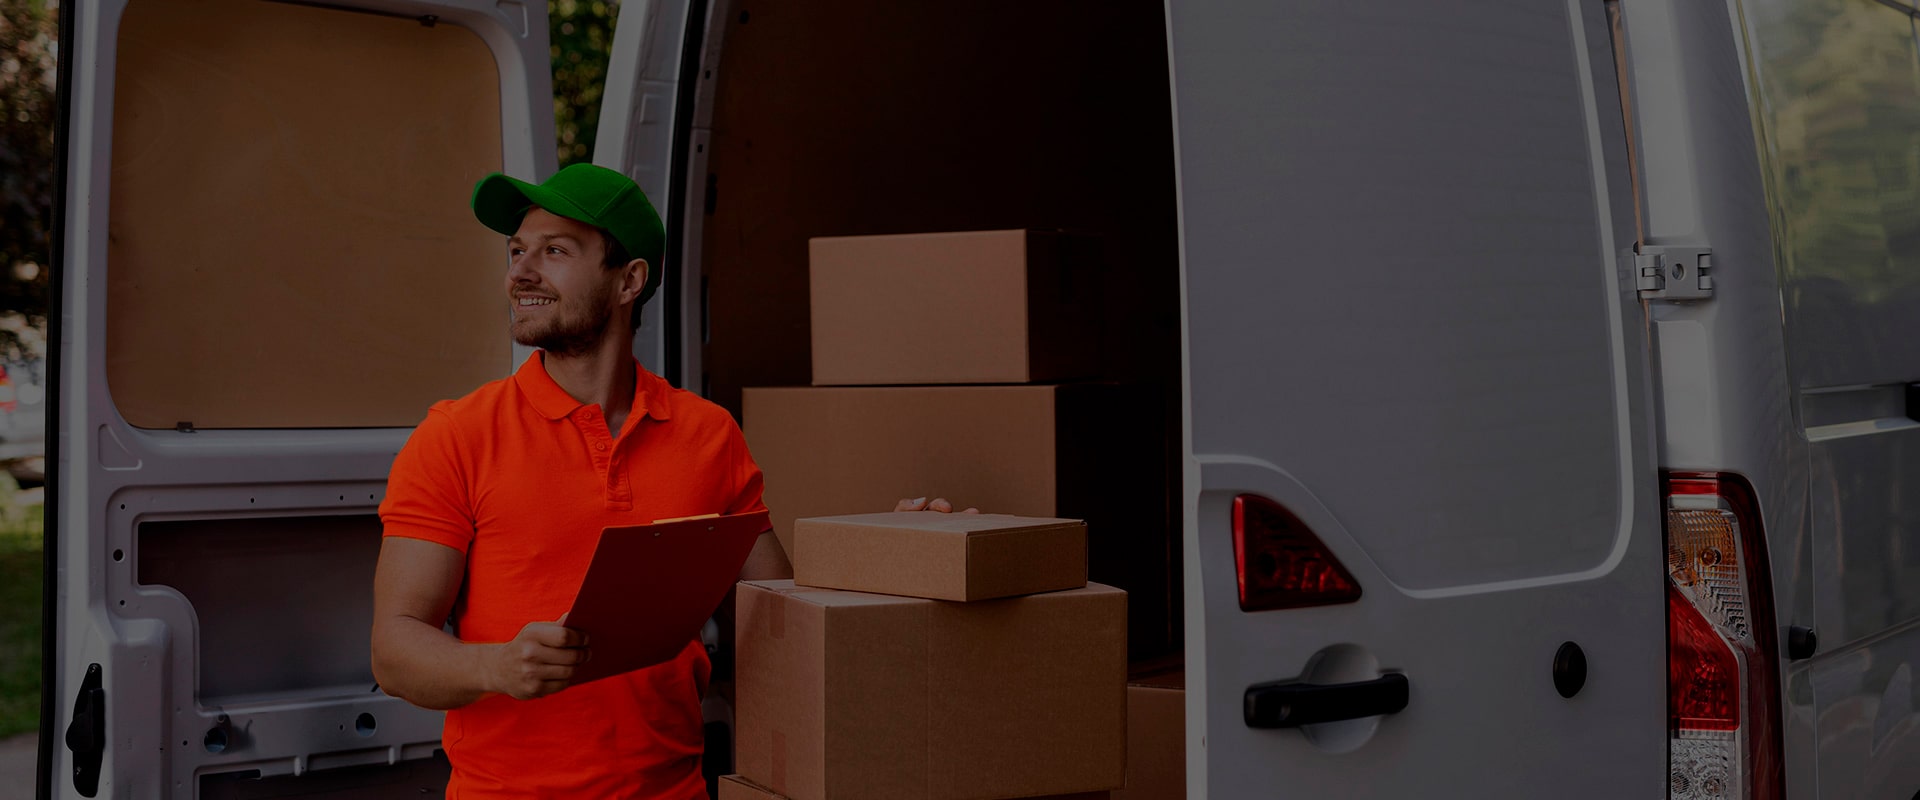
[[353, 139]]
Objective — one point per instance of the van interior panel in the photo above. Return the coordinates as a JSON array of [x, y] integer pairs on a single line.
[[282, 604], [863, 117], [287, 187], [407, 780]]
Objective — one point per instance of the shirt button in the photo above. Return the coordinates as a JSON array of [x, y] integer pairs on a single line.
[[601, 446]]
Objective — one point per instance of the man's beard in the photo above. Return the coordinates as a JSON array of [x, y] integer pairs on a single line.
[[570, 334]]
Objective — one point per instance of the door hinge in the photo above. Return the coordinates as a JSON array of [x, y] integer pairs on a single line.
[[87, 733], [1674, 273]]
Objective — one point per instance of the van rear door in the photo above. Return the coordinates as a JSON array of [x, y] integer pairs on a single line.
[[647, 132], [1414, 348], [267, 271]]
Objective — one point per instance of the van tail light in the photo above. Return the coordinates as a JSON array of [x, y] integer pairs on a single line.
[[1280, 563], [1723, 701]]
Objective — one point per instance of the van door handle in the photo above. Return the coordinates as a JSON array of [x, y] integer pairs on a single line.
[[1290, 704]]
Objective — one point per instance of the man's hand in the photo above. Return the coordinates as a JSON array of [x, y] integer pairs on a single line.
[[539, 661], [938, 504]]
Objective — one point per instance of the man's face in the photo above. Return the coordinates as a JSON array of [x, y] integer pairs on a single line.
[[563, 295]]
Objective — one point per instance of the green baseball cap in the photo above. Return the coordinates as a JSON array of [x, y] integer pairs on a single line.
[[586, 193]]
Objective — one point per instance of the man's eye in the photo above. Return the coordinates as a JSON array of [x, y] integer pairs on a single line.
[[555, 251], [515, 251]]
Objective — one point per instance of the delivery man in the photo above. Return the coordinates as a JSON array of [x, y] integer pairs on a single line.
[[495, 504]]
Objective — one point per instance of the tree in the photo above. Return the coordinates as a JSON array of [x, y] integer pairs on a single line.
[[27, 64], [581, 33]]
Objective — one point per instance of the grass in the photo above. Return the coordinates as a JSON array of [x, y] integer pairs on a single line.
[[21, 572]]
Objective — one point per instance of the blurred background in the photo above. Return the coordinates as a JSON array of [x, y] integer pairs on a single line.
[[581, 34]]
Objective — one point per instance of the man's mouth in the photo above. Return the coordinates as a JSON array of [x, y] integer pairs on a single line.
[[535, 301]]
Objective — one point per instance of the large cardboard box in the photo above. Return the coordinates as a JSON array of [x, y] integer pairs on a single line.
[[737, 787], [853, 696], [961, 557], [985, 307], [1081, 451], [1156, 738]]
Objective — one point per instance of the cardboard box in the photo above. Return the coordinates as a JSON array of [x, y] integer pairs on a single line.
[[1156, 738], [853, 696], [1080, 451], [735, 787], [942, 308], [941, 556]]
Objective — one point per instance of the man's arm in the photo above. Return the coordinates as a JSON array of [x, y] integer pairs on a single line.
[[414, 588]]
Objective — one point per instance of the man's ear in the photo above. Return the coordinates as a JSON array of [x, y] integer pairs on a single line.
[[633, 279]]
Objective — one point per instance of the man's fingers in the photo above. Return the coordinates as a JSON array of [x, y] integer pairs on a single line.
[[553, 635], [939, 504]]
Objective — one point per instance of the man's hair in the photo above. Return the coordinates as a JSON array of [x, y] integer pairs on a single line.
[[616, 258]]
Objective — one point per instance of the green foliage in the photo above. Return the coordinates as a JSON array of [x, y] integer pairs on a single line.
[[27, 61], [21, 572], [1840, 117], [582, 36]]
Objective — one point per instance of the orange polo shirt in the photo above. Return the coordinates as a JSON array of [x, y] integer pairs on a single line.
[[521, 478]]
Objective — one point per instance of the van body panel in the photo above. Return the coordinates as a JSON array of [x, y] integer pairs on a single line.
[[194, 566], [1836, 98], [1725, 393], [1415, 330]]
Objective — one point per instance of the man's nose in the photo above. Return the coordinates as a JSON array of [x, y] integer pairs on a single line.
[[523, 269]]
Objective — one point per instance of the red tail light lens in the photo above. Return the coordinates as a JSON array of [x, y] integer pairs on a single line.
[[1280, 563], [1703, 677], [1723, 702]]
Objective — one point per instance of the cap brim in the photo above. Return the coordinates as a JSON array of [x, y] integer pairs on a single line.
[[500, 202]]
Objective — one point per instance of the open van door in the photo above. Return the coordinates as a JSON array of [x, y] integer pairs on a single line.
[[648, 133], [267, 271], [1423, 531]]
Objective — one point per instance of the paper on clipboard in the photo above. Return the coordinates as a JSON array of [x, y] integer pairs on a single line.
[[651, 588]]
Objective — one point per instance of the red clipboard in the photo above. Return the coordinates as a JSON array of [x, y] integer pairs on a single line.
[[651, 588]]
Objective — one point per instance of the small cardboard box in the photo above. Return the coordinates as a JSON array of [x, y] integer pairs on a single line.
[[1156, 738], [735, 787], [853, 696], [961, 557], [1082, 451], [943, 308]]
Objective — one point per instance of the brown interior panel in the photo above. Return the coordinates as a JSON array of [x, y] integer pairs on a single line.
[[282, 603], [289, 238], [862, 117]]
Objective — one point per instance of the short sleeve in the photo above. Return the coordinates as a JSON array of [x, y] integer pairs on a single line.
[[429, 487], [745, 482]]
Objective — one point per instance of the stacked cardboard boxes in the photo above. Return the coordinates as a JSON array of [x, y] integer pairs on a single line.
[[937, 368], [1012, 687], [1156, 736]]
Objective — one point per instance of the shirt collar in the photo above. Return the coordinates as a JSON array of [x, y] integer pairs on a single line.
[[649, 396]]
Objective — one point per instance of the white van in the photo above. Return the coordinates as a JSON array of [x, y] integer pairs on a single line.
[[1544, 371]]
